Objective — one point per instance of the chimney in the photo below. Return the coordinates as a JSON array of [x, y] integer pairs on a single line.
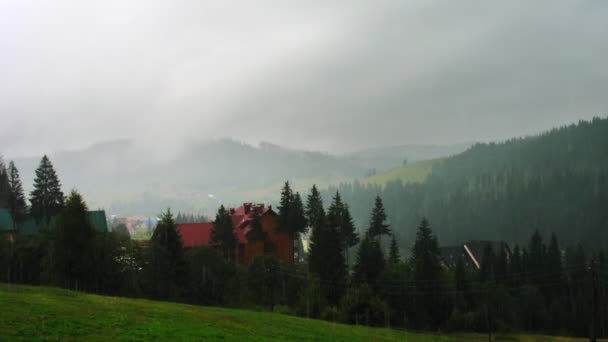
[[247, 207]]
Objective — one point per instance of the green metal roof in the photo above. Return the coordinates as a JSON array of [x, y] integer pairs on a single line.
[[97, 218], [6, 221]]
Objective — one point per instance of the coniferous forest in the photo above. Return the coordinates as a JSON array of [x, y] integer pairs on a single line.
[[374, 253], [556, 182]]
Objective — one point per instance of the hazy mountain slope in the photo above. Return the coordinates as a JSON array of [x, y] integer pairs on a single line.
[[127, 179], [413, 172], [555, 182], [382, 158]]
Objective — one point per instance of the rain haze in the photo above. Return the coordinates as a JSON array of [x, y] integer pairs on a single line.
[[319, 75]]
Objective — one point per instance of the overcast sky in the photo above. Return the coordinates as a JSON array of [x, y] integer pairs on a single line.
[[307, 74]]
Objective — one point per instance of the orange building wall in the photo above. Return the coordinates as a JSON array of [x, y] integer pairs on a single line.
[[281, 243]]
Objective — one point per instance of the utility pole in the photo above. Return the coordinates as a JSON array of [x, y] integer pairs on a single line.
[[593, 335]]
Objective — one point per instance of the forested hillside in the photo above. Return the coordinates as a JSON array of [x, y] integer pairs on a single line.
[[554, 182]]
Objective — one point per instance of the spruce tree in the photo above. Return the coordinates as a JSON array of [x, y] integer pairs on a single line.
[[285, 208], [377, 225], [72, 245], [222, 232], [168, 264], [46, 199], [393, 255], [4, 185], [338, 216], [370, 261], [256, 232], [315, 213], [16, 201], [325, 256], [291, 215], [426, 264]]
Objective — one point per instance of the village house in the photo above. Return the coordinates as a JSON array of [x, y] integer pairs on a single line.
[[278, 244], [471, 252]]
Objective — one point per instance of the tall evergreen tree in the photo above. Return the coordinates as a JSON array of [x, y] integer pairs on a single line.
[[4, 185], [16, 201], [370, 261], [426, 264], [325, 256], [222, 232], [291, 214], [315, 213], [46, 199], [338, 216], [377, 225], [256, 232], [168, 264], [393, 255], [71, 259]]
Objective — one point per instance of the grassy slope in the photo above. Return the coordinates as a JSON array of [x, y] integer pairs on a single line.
[[415, 172], [34, 313]]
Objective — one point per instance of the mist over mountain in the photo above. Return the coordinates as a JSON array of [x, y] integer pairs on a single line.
[[125, 178]]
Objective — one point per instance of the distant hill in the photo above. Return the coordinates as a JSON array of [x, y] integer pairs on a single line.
[[388, 157], [555, 182], [412, 172], [127, 179]]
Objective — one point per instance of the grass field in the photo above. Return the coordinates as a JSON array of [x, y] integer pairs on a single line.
[[414, 172], [39, 313]]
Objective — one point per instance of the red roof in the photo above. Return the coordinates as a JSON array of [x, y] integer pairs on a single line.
[[199, 234], [195, 234]]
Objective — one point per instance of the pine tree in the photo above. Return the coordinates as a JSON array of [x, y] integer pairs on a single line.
[[377, 225], [16, 201], [285, 209], [168, 264], [72, 245], [222, 232], [4, 185], [256, 232], [370, 261], [291, 215], [426, 264], [315, 213], [486, 269], [393, 255], [325, 256], [46, 198], [338, 216]]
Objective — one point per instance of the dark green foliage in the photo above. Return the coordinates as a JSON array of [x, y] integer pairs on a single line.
[[377, 225], [222, 233], [338, 216], [46, 199], [488, 262], [325, 255], [16, 200], [265, 280], [362, 306], [504, 191], [211, 279], [393, 254], [256, 232], [427, 273], [167, 263], [292, 219], [4, 185], [315, 213], [370, 261], [73, 241]]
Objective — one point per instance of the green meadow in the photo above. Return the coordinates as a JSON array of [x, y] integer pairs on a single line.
[[29, 313]]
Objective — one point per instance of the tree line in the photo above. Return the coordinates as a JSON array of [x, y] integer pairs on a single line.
[[553, 182]]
